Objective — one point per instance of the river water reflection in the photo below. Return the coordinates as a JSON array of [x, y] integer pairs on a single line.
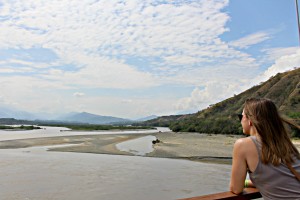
[[140, 146], [34, 173]]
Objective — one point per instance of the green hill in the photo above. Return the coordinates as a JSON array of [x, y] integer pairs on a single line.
[[283, 89]]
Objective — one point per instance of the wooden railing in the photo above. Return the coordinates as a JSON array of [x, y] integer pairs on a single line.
[[248, 193]]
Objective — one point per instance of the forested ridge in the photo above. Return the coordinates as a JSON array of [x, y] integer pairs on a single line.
[[221, 118]]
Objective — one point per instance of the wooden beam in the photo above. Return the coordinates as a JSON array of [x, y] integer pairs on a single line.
[[248, 193]]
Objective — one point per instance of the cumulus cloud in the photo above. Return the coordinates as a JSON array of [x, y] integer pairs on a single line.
[[282, 64], [202, 97]]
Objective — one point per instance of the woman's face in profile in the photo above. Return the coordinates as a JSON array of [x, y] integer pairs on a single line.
[[245, 122]]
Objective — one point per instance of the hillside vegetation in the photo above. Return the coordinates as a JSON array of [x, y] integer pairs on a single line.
[[221, 118]]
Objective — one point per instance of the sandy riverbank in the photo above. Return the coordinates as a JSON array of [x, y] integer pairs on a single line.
[[192, 146]]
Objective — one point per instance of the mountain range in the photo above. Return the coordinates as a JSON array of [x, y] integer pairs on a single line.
[[73, 117], [14, 113]]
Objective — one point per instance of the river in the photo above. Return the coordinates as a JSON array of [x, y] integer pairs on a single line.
[[35, 173]]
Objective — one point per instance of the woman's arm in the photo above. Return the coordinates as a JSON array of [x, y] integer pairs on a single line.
[[239, 166]]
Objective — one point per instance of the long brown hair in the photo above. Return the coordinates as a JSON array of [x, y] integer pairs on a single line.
[[276, 144]]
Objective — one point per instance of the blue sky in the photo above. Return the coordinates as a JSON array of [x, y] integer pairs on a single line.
[[137, 58]]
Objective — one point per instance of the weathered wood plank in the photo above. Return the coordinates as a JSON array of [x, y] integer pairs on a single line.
[[248, 193]]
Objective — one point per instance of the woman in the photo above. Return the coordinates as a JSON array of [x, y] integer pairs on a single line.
[[268, 155]]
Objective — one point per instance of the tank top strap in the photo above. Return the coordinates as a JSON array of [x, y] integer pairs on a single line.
[[257, 144]]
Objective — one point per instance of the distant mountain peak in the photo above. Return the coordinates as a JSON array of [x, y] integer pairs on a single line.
[[147, 118], [85, 117]]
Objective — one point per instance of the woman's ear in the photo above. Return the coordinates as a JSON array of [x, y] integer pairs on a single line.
[[250, 123]]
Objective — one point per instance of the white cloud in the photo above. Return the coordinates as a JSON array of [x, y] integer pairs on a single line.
[[181, 60], [8, 70], [250, 40], [211, 92], [106, 28], [78, 94], [226, 72], [282, 64], [93, 40], [102, 73], [127, 101], [272, 54]]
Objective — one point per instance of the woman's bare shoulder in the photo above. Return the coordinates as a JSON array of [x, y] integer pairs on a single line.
[[243, 143]]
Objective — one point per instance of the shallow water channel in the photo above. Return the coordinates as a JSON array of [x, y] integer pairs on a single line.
[[139, 147], [34, 173]]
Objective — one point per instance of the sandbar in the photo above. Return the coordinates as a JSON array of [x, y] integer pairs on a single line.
[[214, 148]]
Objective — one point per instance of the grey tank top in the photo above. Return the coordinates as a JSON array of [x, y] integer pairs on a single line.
[[275, 182]]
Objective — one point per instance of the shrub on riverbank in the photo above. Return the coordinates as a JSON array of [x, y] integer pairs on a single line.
[[22, 127]]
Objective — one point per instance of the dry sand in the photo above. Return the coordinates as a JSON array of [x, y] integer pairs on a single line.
[[192, 146], [195, 146]]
